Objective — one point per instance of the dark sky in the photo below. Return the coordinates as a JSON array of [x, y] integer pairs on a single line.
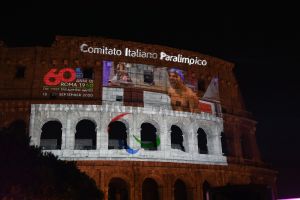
[[262, 41]]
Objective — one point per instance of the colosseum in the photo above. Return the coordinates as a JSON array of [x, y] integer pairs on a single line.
[[144, 121]]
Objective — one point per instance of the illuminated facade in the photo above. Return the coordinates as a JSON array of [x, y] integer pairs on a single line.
[[139, 119]]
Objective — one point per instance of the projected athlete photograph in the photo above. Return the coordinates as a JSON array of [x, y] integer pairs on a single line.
[[182, 97]]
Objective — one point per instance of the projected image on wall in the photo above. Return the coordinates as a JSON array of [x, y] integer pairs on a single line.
[[69, 82], [121, 74], [172, 88]]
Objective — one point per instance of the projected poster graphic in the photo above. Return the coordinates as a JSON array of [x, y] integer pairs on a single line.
[[67, 82], [171, 86]]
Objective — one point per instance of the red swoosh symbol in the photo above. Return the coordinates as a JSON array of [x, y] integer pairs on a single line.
[[119, 117]]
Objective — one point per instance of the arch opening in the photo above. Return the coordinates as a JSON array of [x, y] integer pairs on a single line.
[[202, 141], [118, 189], [117, 138], [148, 137], [180, 190], [85, 136], [150, 190], [224, 144], [177, 138], [51, 135]]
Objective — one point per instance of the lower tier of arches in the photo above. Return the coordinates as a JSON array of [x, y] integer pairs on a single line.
[[140, 180]]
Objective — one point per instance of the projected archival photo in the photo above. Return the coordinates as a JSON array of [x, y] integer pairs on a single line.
[[172, 87], [123, 74]]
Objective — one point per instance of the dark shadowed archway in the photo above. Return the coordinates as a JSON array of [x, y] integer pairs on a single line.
[[224, 144], [150, 190], [117, 135], [148, 137], [176, 138], [118, 189], [202, 141], [51, 135], [85, 136], [180, 190]]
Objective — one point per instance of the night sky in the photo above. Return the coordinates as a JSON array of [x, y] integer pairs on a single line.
[[262, 41]]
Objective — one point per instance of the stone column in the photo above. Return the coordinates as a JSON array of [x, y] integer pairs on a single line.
[[103, 134], [98, 137], [192, 142], [103, 144], [134, 130], [165, 135], [191, 194], [214, 142], [70, 135], [64, 137]]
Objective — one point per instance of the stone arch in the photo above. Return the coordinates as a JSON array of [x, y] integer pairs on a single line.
[[183, 125], [75, 122], [180, 190], [149, 138], [38, 128], [125, 176], [208, 129], [45, 120], [51, 135], [186, 179], [157, 178], [202, 139], [118, 188], [151, 189], [156, 124], [146, 119], [117, 135], [82, 140], [177, 138], [107, 121]]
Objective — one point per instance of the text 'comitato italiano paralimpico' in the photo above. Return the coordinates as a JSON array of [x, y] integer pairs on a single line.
[[138, 53]]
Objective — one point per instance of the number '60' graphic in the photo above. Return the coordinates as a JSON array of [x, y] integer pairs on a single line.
[[53, 78]]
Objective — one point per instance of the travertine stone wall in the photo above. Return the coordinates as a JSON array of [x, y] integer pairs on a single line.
[[162, 119]]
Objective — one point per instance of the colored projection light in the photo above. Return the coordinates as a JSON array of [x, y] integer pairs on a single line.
[[143, 145], [53, 78]]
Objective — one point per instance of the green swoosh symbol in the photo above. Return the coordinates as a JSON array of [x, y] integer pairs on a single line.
[[147, 145]]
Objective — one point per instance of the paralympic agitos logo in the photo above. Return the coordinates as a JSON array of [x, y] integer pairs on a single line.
[[143, 144]]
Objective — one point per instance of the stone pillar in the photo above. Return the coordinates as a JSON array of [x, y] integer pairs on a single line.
[[136, 131], [103, 138], [191, 194], [70, 135], [103, 134], [214, 142], [192, 142], [105, 193], [98, 138], [165, 135], [64, 137], [198, 192], [161, 192], [168, 191]]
